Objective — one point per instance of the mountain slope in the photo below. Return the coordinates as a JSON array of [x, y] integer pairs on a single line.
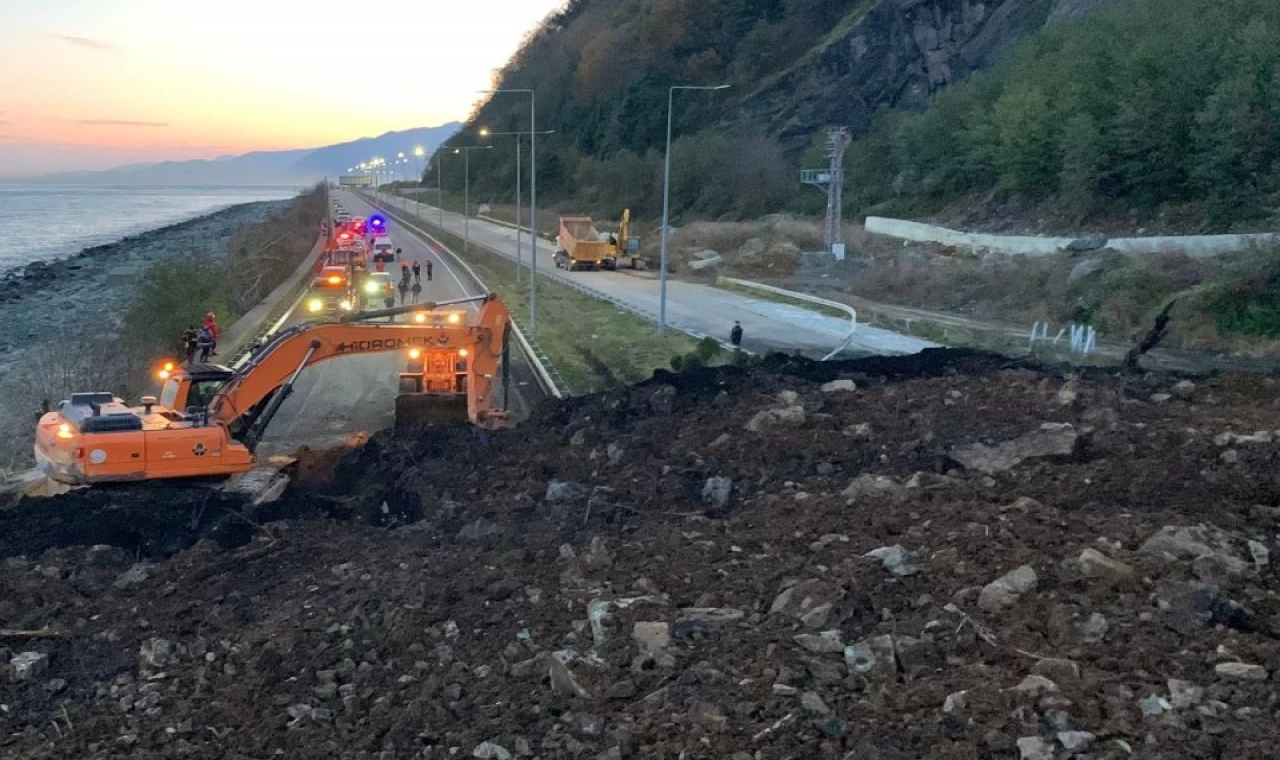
[[269, 167], [602, 69]]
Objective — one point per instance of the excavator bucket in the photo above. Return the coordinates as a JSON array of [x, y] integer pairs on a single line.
[[415, 412]]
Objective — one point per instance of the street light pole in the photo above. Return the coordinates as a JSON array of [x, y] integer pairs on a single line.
[[666, 204], [533, 204], [466, 202], [519, 192]]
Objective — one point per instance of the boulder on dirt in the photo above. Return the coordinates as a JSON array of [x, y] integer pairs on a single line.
[[559, 490], [478, 529], [827, 642], [873, 487], [562, 681], [1240, 671], [137, 575], [706, 259], [651, 637], [99, 568], [878, 656], [812, 703], [896, 559], [753, 247], [1174, 543], [1051, 440], [1035, 748], [491, 751], [716, 493], [156, 652], [1192, 606], [29, 666], [1005, 591], [1085, 268], [779, 417], [809, 601], [843, 385], [1088, 243], [1094, 564]]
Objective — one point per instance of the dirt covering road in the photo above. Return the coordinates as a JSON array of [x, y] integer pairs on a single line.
[[945, 555]]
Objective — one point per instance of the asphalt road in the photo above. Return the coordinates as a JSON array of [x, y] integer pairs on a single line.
[[693, 307], [339, 398]]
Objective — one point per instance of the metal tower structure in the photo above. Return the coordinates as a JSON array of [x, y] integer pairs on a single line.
[[832, 178]]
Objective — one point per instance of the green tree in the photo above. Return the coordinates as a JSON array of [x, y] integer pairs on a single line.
[[1084, 162], [1025, 154]]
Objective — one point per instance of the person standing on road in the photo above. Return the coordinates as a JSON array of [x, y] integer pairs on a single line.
[[735, 335], [205, 342], [211, 324], [404, 290], [417, 271], [428, 270], [404, 270], [189, 344], [417, 291]]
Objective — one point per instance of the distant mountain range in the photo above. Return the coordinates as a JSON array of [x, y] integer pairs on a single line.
[[268, 167]]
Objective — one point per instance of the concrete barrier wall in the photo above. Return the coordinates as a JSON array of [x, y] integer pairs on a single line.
[[1192, 245]]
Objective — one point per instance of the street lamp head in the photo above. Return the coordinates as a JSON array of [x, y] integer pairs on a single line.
[[400, 154], [419, 152], [484, 131]]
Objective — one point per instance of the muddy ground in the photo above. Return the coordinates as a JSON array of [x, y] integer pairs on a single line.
[[1067, 567]]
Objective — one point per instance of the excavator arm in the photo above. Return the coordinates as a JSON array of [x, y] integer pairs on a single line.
[[255, 392]]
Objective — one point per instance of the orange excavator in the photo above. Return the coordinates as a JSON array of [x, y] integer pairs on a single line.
[[208, 420]]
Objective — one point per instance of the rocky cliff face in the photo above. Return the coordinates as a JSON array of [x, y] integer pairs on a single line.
[[895, 53]]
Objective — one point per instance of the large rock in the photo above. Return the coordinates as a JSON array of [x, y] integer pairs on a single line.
[[1174, 543], [896, 559], [778, 417], [716, 493], [651, 637], [809, 601], [878, 656], [1005, 591], [491, 751], [1088, 243], [1190, 607], [29, 666], [1084, 269], [1051, 440], [827, 642], [753, 247], [1240, 671], [867, 486], [706, 260], [1094, 564], [99, 569]]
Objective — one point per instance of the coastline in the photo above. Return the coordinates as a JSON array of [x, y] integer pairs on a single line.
[[63, 314], [38, 298]]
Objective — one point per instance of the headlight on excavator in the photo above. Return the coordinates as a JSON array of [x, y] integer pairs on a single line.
[[462, 352], [64, 431], [371, 287], [345, 305], [315, 304], [415, 353], [420, 317], [454, 318]]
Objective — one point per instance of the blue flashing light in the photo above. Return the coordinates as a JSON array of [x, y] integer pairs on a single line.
[[377, 221]]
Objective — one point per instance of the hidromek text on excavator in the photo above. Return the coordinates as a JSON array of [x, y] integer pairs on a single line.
[[208, 419]]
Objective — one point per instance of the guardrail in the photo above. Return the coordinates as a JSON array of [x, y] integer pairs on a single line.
[[846, 308], [549, 380], [588, 290]]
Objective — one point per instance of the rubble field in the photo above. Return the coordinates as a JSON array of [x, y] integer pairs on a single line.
[[949, 555]]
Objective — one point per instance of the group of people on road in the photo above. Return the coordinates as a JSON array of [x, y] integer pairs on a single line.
[[202, 342], [413, 288]]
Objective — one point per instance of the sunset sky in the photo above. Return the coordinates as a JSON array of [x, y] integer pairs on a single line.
[[90, 84]]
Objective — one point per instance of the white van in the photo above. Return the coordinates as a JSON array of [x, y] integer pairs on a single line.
[[383, 250]]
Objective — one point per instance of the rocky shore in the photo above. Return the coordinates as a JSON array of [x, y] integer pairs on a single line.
[[49, 306]]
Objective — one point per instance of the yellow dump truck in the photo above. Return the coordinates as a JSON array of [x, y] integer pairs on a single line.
[[579, 245]]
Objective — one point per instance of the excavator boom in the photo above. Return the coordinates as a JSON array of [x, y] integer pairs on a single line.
[[451, 359]]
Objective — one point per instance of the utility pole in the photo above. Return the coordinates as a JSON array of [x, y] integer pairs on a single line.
[[832, 178]]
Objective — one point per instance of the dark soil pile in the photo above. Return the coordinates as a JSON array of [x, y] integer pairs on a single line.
[[1060, 567]]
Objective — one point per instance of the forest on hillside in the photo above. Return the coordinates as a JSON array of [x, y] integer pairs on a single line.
[[602, 69], [1139, 107], [1152, 104]]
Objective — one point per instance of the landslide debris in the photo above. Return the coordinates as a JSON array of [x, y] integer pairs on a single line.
[[956, 559]]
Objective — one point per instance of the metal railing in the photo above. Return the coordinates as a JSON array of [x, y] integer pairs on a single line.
[[846, 308]]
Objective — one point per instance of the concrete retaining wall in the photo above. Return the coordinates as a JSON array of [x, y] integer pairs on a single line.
[[1194, 245]]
